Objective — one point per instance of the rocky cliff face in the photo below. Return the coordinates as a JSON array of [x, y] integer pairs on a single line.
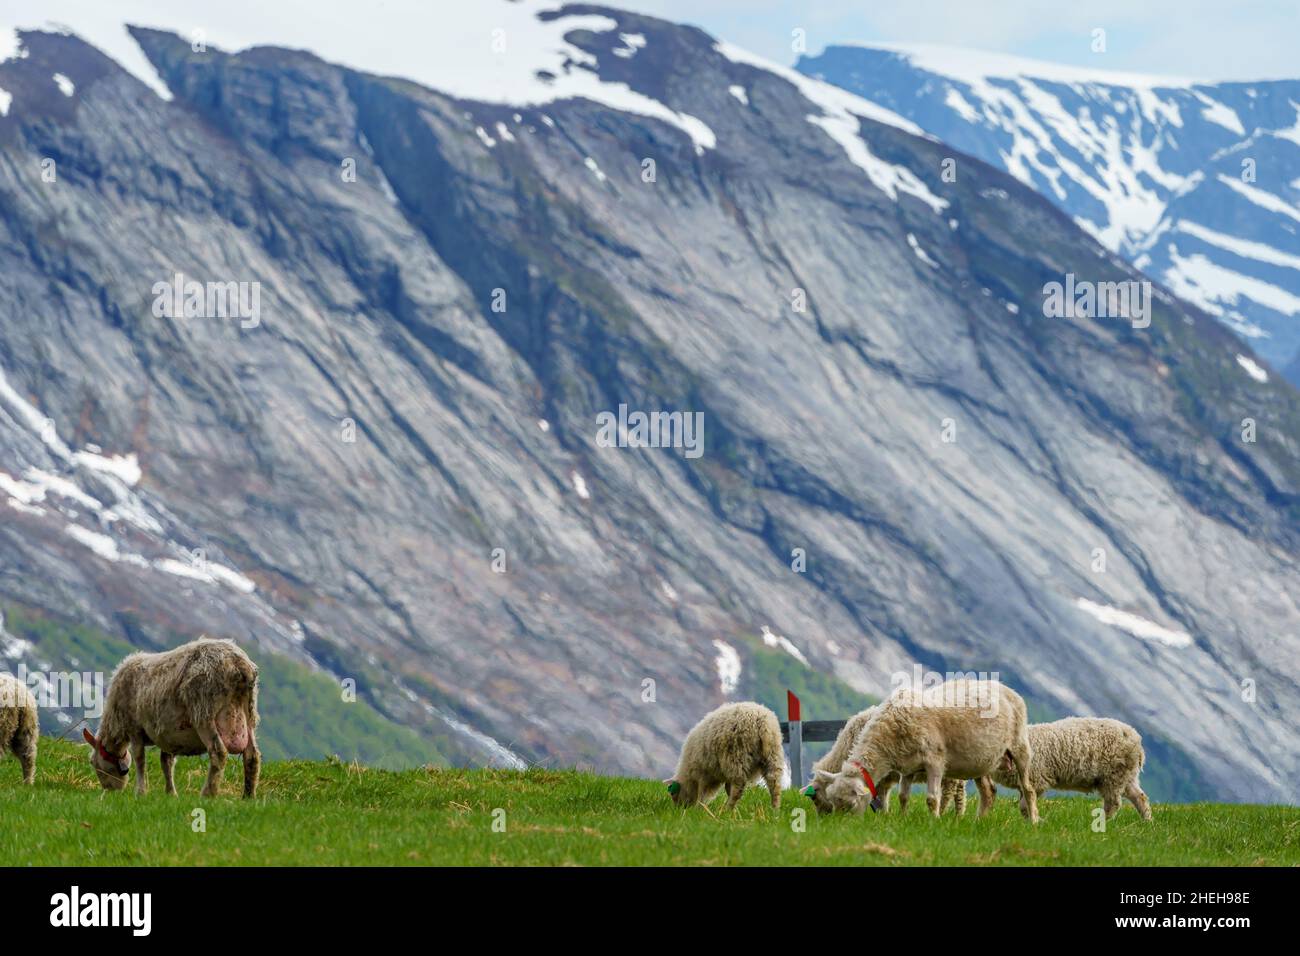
[[1194, 183], [393, 470]]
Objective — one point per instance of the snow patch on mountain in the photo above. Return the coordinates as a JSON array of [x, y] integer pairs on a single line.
[[1135, 625], [728, 666], [1252, 368], [840, 119], [783, 643]]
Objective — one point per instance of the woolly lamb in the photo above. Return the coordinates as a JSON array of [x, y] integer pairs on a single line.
[[961, 729], [18, 726], [200, 697], [732, 746], [954, 791], [1089, 755]]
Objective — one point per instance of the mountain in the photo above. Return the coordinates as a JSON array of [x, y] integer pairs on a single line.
[[392, 462], [1196, 184]]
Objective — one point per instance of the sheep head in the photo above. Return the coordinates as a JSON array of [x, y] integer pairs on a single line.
[[847, 790], [110, 768], [676, 791], [817, 790]]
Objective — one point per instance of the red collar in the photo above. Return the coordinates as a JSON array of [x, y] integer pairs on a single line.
[[876, 803], [871, 785]]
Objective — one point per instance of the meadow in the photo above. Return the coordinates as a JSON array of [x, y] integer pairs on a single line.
[[335, 813]]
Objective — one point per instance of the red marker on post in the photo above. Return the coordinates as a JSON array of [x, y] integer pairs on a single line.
[[796, 738]]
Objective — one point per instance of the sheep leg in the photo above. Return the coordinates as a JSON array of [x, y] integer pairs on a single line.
[[27, 760], [1028, 799], [934, 788], [734, 793], [954, 791], [252, 766], [904, 792], [1110, 802], [137, 758], [168, 762], [1139, 799], [216, 759], [773, 781], [987, 794], [883, 786]]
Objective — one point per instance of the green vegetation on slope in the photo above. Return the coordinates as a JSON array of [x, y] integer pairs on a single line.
[[303, 712], [336, 813]]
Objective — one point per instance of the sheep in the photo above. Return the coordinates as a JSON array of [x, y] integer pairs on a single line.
[[963, 728], [198, 698], [18, 725], [954, 791], [1088, 755], [731, 746]]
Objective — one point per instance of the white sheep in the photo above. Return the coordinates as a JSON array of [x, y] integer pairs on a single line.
[[19, 728], [198, 698], [1087, 755], [954, 791], [732, 746], [961, 729]]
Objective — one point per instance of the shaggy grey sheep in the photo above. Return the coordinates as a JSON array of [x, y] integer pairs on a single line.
[[200, 697]]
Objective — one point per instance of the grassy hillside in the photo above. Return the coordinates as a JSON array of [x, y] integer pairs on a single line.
[[303, 713], [335, 813]]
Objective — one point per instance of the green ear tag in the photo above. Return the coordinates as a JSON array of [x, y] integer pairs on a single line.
[[674, 787], [809, 790]]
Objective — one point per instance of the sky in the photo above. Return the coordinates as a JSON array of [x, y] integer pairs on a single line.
[[1199, 39]]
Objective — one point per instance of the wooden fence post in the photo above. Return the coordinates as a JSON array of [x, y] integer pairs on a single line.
[[796, 740]]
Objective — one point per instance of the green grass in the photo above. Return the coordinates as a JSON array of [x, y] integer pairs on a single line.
[[302, 711], [323, 813]]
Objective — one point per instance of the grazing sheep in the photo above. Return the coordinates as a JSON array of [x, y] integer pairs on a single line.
[[961, 729], [731, 746], [18, 725], [200, 697], [1089, 755], [954, 791]]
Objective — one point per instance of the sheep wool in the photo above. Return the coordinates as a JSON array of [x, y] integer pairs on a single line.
[[962, 729], [18, 724], [1087, 755], [732, 746], [198, 698]]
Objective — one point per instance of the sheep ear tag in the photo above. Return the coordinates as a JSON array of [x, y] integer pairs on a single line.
[[809, 790], [674, 787]]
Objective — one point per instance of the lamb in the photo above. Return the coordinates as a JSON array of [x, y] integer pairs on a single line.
[[731, 746], [1088, 755], [198, 698], [961, 729], [18, 725], [954, 791]]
